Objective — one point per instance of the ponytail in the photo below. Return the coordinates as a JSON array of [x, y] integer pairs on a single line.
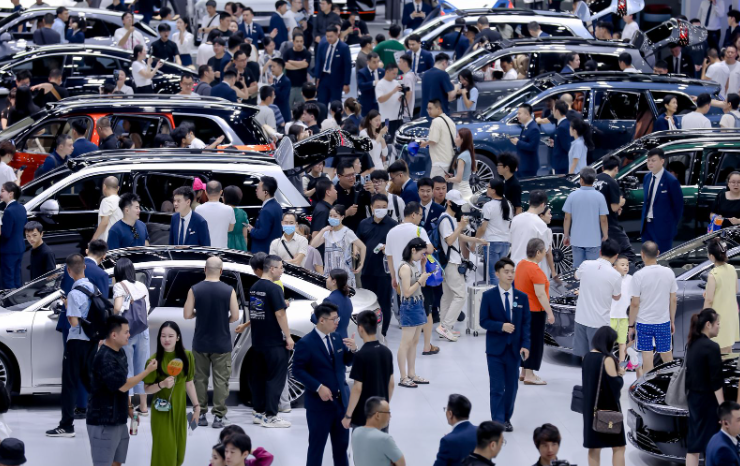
[[336, 108], [340, 276], [353, 106], [717, 248], [498, 187], [698, 321], [583, 129]]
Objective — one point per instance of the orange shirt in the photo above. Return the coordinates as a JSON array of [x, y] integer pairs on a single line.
[[527, 275]]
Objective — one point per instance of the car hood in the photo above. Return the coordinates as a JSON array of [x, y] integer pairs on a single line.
[[364, 300], [419, 128], [557, 187]]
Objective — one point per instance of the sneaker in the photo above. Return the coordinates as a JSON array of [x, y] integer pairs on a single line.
[[632, 367], [444, 333], [80, 413], [382, 340], [138, 411], [508, 427], [285, 410], [61, 432], [203, 420], [218, 422], [274, 422], [258, 418], [455, 332]]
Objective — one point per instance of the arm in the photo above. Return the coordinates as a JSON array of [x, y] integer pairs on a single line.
[[282, 319], [677, 201], [296, 65], [408, 288], [531, 145], [188, 311], [458, 172], [444, 455], [566, 225], [709, 292], [122, 42], [233, 308], [261, 228], [551, 262], [482, 229], [101, 227], [354, 397], [673, 312], [319, 238], [391, 386], [387, 96], [117, 304], [300, 361], [539, 290], [604, 227], [363, 250], [364, 83], [450, 240], [131, 382], [347, 61], [486, 316]]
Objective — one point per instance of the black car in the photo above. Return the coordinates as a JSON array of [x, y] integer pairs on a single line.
[[85, 68]]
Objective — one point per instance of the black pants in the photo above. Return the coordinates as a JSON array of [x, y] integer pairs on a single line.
[[712, 41], [537, 341], [393, 126], [625, 246], [269, 368], [381, 286], [145, 90], [76, 365]]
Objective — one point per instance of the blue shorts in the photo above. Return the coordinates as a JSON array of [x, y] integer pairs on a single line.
[[661, 333]]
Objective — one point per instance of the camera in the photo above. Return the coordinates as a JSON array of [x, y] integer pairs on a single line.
[[116, 73], [404, 89], [466, 265], [561, 463]]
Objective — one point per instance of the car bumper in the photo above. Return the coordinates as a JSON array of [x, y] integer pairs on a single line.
[[560, 335]]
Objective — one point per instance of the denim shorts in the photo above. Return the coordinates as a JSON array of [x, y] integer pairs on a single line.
[[412, 312], [661, 333]]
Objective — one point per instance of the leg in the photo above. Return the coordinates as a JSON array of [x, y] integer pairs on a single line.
[[511, 371], [141, 354], [618, 456], [497, 387], [257, 377], [221, 373], [72, 366], [594, 456], [319, 426], [578, 256], [592, 253], [412, 351], [200, 380], [692, 459], [454, 296], [277, 371], [407, 338], [284, 404], [647, 361], [16, 260], [496, 250], [324, 91], [339, 437], [428, 329]]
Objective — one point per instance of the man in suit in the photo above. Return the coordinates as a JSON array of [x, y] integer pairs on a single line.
[[251, 31], [680, 62], [663, 205], [572, 63], [12, 239], [504, 313], [225, 89], [399, 173], [282, 87], [186, 226], [278, 31], [320, 363], [722, 449], [414, 14], [367, 78], [421, 60], [81, 144], [458, 444], [269, 224], [562, 139], [711, 15], [333, 66], [528, 142], [430, 209], [733, 22]]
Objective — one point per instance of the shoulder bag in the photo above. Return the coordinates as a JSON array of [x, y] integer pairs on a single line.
[[455, 153], [675, 395], [136, 314], [286, 249], [606, 422]]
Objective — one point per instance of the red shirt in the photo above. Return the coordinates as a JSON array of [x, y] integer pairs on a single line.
[[527, 275]]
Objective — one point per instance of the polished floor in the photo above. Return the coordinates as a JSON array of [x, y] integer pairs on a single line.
[[418, 420]]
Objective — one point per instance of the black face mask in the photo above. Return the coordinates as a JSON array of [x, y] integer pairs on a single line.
[[456, 209]]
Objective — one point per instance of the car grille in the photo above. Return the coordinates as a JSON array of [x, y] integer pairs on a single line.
[[649, 392], [645, 443], [563, 308], [403, 139]]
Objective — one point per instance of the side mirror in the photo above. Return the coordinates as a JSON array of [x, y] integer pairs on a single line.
[[629, 182], [49, 207], [5, 37]]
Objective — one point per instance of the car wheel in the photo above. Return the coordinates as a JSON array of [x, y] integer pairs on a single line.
[[295, 388], [562, 255], [484, 174], [7, 371]]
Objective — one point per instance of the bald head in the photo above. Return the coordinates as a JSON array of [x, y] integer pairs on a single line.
[[214, 190], [567, 98], [111, 182], [213, 267]]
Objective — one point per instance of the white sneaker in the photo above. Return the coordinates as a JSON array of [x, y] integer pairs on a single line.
[[274, 422], [382, 340], [455, 332], [444, 333], [285, 410], [258, 418]]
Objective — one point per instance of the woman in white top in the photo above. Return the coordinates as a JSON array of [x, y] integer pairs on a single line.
[[497, 215], [142, 71], [342, 245], [463, 164], [467, 93], [370, 128], [548, 263], [335, 116], [128, 291], [185, 42]]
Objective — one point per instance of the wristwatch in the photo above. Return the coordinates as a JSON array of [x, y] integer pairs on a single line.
[[347, 417]]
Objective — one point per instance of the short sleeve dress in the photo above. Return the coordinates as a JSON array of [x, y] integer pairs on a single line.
[[338, 252], [236, 236], [170, 428], [725, 303]]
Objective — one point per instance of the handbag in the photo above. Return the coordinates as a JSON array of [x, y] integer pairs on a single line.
[[675, 395], [136, 314], [437, 273], [576, 401], [606, 422]]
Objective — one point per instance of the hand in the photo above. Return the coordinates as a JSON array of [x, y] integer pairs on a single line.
[[152, 366], [566, 241], [369, 187], [346, 423], [383, 131], [423, 144], [631, 334], [424, 277], [149, 60], [464, 221], [394, 283], [604, 238], [556, 277], [359, 268], [160, 64], [249, 228], [242, 327], [289, 343], [621, 371], [325, 393], [525, 353], [19, 173], [131, 411], [350, 343], [352, 210], [217, 74], [508, 328], [514, 141], [169, 382], [274, 33], [550, 318], [196, 412], [734, 220], [219, 140], [345, 89], [550, 142]]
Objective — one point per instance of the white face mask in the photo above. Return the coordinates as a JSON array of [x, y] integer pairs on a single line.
[[380, 213]]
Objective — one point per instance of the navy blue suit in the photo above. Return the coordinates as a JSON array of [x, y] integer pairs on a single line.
[[313, 366], [457, 445], [12, 245], [502, 348], [410, 192], [83, 146], [435, 210], [426, 61], [366, 88], [51, 162], [277, 22], [331, 84], [197, 233], [567, 70], [267, 227], [282, 95], [721, 451], [413, 23], [561, 147], [257, 34], [527, 149], [667, 211], [661, 124], [224, 91]]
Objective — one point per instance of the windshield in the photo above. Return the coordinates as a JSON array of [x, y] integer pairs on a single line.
[[430, 26], [23, 297], [39, 185], [146, 29], [688, 255], [9, 19], [507, 105], [462, 63], [14, 130]]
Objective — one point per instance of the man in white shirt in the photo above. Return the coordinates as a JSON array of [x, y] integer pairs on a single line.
[[399, 237], [292, 248], [7, 173], [409, 80], [220, 217], [210, 20], [697, 118], [507, 65], [731, 118], [266, 116], [653, 307], [205, 49], [600, 285], [528, 225], [714, 69], [109, 212], [733, 84], [440, 140], [128, 37], [388, 93], [711, 14], [186, 87], [631, 27], [625, 63], [396, 205]]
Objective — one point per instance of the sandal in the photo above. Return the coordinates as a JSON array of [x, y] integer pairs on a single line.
[[433, 350], [140, 412], [407, 382], [420, 380]]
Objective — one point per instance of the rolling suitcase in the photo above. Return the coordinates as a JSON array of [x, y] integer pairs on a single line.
[[476, 292]]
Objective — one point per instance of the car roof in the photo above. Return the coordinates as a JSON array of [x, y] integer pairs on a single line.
[[114, 103], [76, 48], [620, 76], [73, 11], [169, 155], [513, 12], [544, 41]]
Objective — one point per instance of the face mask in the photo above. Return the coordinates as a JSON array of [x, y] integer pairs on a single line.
[[380, 213], [288, 229], [333, 221]]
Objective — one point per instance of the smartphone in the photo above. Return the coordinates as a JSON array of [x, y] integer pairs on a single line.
[[116, 74], [387, 122], [521, 355], [23, 167], [192, 422], [623, 364], [365, 179]]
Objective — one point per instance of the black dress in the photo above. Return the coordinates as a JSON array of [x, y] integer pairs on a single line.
[[726, 208], [703, 377], [593, 364]]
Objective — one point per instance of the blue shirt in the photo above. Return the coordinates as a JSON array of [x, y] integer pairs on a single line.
[[435, 85], [465, 157], [586, 205], [120, 235], [78, 305], [578, 150], [345, 311], [473, 97]]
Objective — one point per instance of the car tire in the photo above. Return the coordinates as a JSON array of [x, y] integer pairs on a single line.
[[8, 371], [295, 388], [562, 255], [486, 170]]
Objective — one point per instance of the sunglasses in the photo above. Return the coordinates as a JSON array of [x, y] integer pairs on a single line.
[[135, 232]]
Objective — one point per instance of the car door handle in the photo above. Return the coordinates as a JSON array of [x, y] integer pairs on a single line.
[[17, 330]]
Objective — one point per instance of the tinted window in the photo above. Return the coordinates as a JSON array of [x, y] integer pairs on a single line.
[[179, 282], [556, 30], [617, 106], [94, 65], [43, 139], [39, 185], [155, 189], [682, 166], [27, 295], [206, 129], [84, 194], [98, 28], [729, 163], [685, 104], [141, 130], [40, 67], [247, 183]]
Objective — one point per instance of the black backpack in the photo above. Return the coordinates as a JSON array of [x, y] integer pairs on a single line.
[[101, 309]]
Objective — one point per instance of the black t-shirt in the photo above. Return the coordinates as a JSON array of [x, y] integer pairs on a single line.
[[108, 405], [165, 50], [297, 77], [609, 187], [359, 29], [315, 129], [373, 366], [349, 197], [42, 98], [513, 191], [42, 260], [265, 299], [212, 314], [320, 217], [372, 234], [323, 111], [726, 208], [109, 143]]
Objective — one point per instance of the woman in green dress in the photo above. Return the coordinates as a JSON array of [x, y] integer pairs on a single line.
[[170, 427], [238, 236]]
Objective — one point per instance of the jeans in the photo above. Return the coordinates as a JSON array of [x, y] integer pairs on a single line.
[[581, 254], [496, 251], [137, 352]]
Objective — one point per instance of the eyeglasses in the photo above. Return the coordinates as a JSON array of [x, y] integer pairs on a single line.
[[383, 412], [335, 320], [348, 175], [135, 232]]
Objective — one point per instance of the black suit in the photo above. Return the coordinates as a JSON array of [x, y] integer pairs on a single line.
[[686, 65]]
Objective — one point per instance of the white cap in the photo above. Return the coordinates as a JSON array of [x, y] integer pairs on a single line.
[[455, 196]]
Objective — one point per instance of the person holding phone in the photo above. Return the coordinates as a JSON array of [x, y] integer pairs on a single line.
[[142, 70]]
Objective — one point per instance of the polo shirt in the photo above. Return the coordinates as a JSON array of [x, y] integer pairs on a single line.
[[373, 447], [435, 85], [653, 284], [695, 120], [599, 283], [288, 249], [585, 205], [524, 227], [397, 240], [609, 188], [320, 217], [120, 235], [373, 233], [165, 50]]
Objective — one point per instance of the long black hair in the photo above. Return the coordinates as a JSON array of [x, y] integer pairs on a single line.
[[583, 129], [497, 184], [603, 341], [416, 244], [179, 349], [341, 277], [468, 75], [698, 321], [124, 270], [336, 108], [718, 249]]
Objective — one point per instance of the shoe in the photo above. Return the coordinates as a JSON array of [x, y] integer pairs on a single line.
[[258, 418], [61, 432], [444, 333], [218, 422], [382, 340], [455, 332], [632, 367], [508, 427], [80, 413], [432, 350], [140, 412], [203, 420], [274, 422], [285, 410]]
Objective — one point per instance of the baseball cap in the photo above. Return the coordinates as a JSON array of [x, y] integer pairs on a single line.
[[455, 196], [198, 185]]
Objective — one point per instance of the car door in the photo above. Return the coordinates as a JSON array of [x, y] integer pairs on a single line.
[[141, 129], [33, 147], [87, 72], [615, 113], [45, 357], [39, 67], [719, 163]]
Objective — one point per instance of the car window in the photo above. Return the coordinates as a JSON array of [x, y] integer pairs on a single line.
[[25, 296], [40, 66], [552, 61], [248, 280], [94, 65], [544, 105], [616, 105], [39, 185], [685, 104], [141, 130], [155, 189], [98, 28], [445, 40], [206, 129], [179, 282], [729, 162], [43, 139], [84, 194], [682, 166], [247, 184], [604, 61]]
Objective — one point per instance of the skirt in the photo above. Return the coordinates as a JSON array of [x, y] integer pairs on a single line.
[[412, 312], [537, 341], [703, 420], [186, 59]]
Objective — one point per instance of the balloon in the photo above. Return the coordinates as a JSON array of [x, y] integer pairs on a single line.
[[174, 367]]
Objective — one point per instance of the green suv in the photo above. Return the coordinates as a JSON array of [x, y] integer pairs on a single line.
[[701, 159]]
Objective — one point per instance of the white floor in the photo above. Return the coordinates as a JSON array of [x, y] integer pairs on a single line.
[[417, 424]]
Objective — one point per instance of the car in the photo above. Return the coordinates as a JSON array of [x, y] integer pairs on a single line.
[[688, 261], [619, 106], [702, 160], [29, 340], [101, 25], [85, 68], [139, 117]]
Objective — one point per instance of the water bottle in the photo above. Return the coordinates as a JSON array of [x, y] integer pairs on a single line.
[[134, 425]]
